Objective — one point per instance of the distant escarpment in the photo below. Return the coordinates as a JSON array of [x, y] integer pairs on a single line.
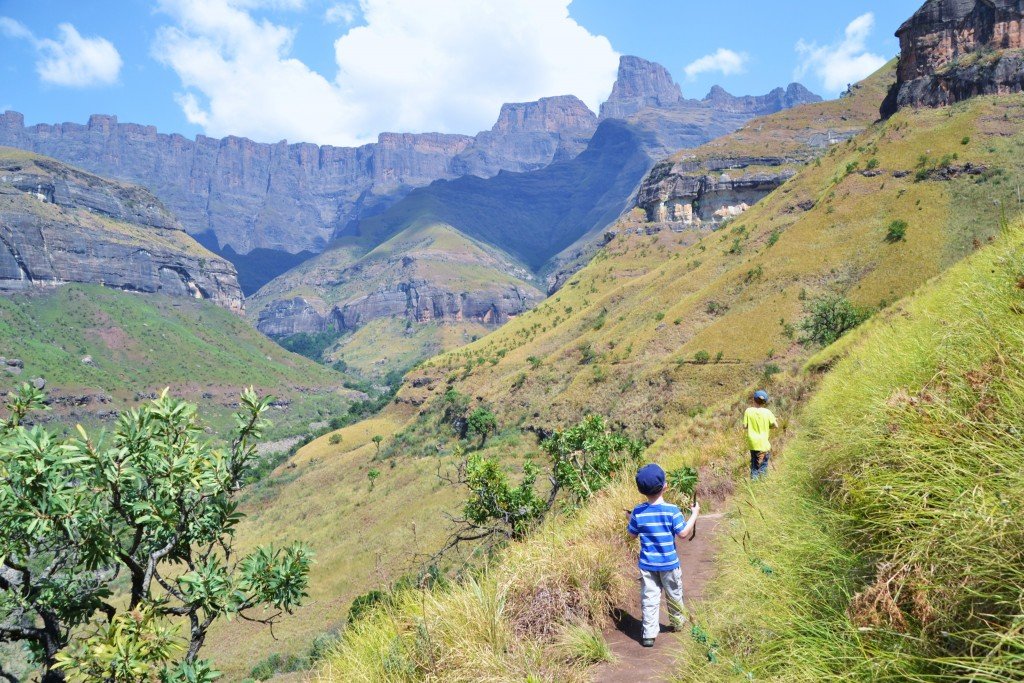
[[292, 197], [951, 50], [61, 225]]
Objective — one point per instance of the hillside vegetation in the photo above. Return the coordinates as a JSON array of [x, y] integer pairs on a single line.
[[893, 540], [661, 333], [100, 350]]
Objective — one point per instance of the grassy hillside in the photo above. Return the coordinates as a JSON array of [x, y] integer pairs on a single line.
[[637, 334], [894, 539], [101, 350], [430, 255]]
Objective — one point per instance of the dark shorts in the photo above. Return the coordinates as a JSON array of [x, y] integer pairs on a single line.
[[759, 463]]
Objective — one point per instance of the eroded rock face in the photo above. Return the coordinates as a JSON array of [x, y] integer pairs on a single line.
[[951, 50], [529, 136], [707, 191], [59, 225], [292, 197], [640, 84]]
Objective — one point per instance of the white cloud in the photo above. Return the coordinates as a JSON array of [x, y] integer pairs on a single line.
[[341, 13], [72, 60], [15, 29], [724, 61], [842, 63], [448, 69]]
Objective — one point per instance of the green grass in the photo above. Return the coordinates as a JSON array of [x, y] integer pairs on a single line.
[[894, 539], [143, 343]]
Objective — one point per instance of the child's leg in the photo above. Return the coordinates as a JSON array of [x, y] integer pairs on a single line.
[[763, 469], [650, 602], [672, 582], [755, 463]]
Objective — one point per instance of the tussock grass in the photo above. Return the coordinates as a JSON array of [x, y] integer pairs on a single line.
[[893, 532]]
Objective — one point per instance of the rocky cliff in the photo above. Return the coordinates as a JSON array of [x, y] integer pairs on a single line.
[[703, 188], [60, 225], [951, 50], [646, 96], [429, 272], [529, 136], [292, 197]]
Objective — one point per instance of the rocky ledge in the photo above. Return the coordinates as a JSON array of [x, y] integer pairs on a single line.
[[418, 301], [951, 50], [60, 225], [694, 192]]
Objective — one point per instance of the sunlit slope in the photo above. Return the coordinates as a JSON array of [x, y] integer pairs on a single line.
[[101, 350], [623, 337], [894, 539]]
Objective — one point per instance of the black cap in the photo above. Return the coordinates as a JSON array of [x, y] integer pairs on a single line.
[[650, 479]]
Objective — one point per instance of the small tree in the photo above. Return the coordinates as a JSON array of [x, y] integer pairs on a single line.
[[585, 457], [373, 475], [830, 317], [152, 510], [482, 422], [377, 441]]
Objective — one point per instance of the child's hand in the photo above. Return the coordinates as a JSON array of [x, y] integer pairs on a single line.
[[627, 511], [695, 509]]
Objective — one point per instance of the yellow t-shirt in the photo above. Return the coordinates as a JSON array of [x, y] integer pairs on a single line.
[[759, 422]]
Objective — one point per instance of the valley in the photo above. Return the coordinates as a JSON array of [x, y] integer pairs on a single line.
[[470, 343]]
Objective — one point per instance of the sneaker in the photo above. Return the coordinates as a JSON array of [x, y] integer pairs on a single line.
[[647, 642]]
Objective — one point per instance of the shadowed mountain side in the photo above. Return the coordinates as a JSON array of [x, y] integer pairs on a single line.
[[533, 215]]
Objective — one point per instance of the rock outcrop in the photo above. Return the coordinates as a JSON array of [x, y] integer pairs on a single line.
[[60, 225], [951, 50], [695, 192], [640, 84], [529, 136]]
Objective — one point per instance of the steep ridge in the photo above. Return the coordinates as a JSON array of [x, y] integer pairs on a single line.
[[952, 50], [60, 225], [636, 336]]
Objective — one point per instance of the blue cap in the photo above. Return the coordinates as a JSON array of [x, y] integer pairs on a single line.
[[761, 395], [650, 479]]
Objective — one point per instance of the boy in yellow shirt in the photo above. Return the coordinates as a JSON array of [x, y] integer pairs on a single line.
[[757, 424]]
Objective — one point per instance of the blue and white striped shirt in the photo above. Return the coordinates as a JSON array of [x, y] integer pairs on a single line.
[[657, 526]]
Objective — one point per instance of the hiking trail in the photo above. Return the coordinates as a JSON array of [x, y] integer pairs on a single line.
[[637, 664]]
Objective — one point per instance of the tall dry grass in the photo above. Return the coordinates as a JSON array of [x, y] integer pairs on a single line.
[[890, 544]]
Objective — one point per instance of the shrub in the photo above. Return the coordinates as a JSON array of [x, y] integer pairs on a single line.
[[829, 317], [966, 140], [534, 362], [774, 237], [587, 354], [482, 422], [701, 357], [659, 316], [872, 163], [896, 232], [335, 439]]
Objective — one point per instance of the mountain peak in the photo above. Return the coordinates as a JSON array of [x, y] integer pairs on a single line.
[[640, 84], [546, 115]]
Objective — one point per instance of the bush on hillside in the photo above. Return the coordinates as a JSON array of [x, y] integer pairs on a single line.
[[829, 317], [154, 506]]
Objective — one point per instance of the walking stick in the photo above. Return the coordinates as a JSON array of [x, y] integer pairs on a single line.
[[693, 501]]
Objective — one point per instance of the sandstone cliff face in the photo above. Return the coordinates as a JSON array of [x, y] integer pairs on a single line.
[[951, 50], [293, 197], [529, 136], [59, 225], [640, 84], [705, 192]]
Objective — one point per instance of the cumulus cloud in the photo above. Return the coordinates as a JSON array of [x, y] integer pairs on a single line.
[[448, 69], [840, 64], [72, 60], [723, 61]]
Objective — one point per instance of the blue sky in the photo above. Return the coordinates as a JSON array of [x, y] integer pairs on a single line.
[[339, 71]]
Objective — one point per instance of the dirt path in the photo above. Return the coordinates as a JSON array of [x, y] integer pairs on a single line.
[[637, 664]]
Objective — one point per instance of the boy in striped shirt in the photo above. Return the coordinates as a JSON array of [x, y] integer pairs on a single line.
[[657, 524]]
